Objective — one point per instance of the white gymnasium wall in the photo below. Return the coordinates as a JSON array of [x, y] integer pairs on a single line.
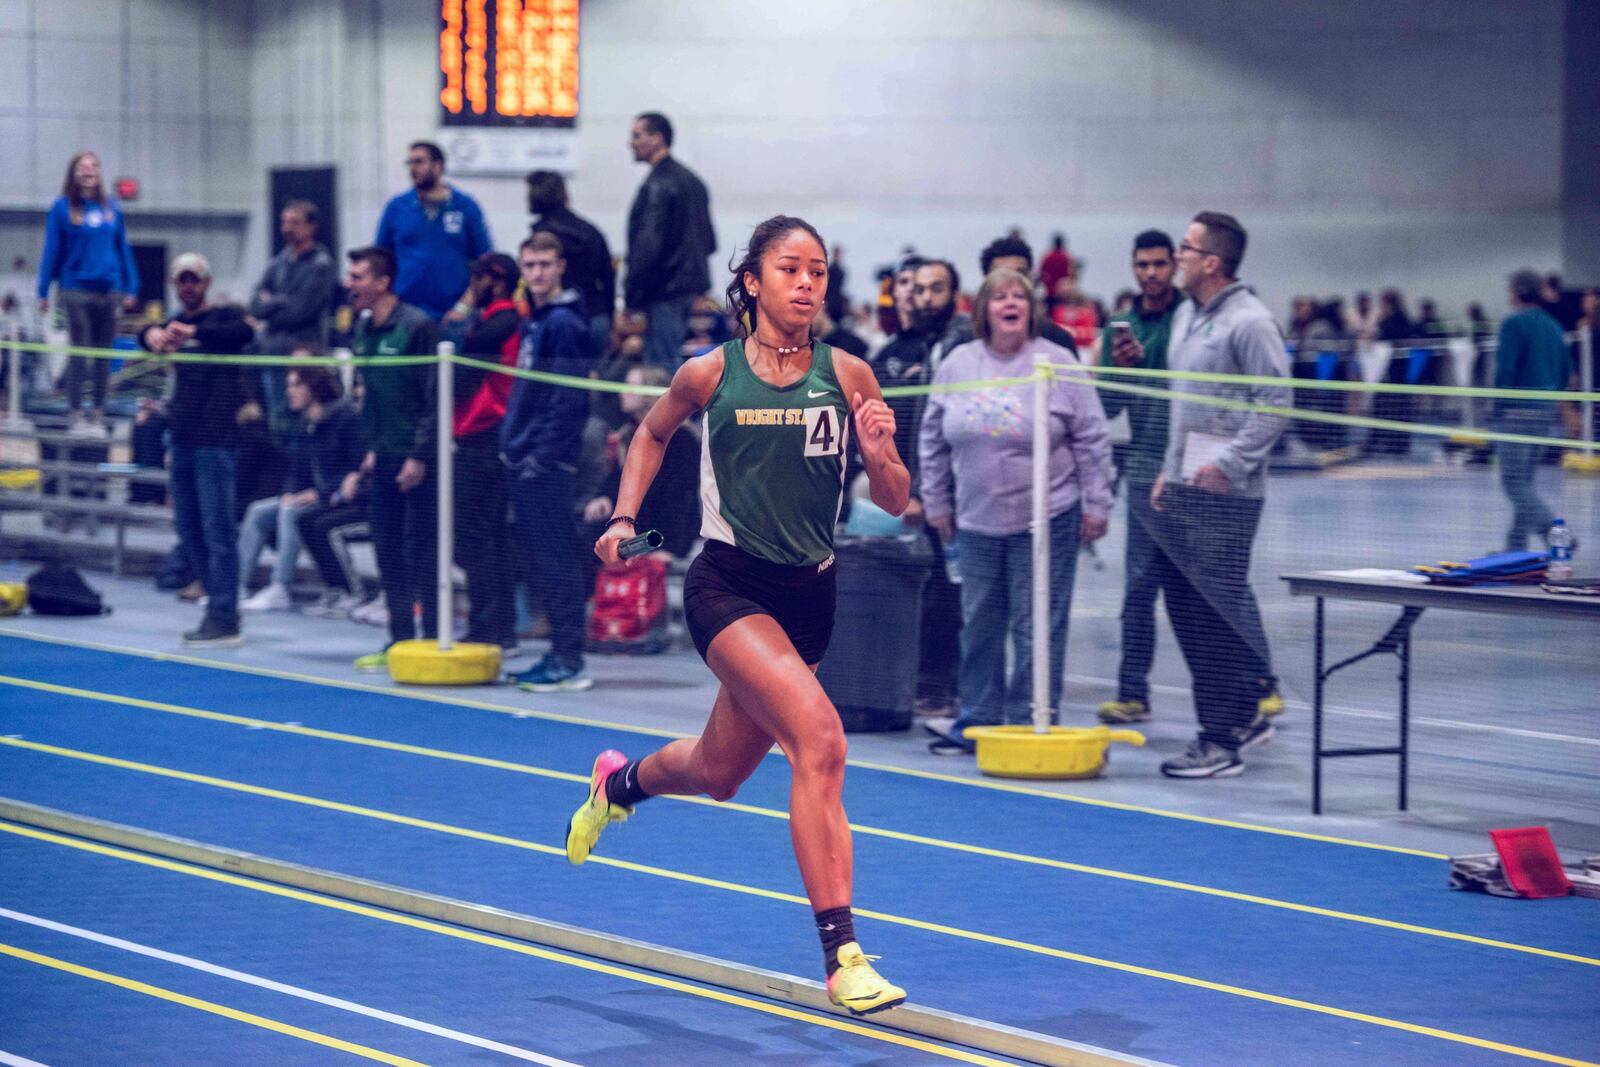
[[159, 88], [1365, 143]]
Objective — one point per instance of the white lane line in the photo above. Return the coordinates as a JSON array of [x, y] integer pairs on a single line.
[[279, 987], [9, 1060], [1364, 713]]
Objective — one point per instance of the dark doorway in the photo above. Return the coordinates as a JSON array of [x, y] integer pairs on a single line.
[[316, 184], [151, 260]]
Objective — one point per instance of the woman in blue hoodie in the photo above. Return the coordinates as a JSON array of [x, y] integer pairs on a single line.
[[86, 251]]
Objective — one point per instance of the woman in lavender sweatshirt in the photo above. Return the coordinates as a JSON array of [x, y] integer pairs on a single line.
[[977, 464]]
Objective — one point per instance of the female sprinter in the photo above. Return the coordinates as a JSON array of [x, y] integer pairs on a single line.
[[760, 597]]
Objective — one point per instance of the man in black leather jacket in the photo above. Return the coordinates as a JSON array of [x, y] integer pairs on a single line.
[[669, 238], [589, 267]]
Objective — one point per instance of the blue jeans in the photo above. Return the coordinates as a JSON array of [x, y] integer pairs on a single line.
[[544, 504], [202, 484], [668, 328], [1141, 587], [997, 603], [268, 521], [1519, 475]]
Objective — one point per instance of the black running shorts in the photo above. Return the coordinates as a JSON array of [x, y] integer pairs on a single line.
[[725, 584]]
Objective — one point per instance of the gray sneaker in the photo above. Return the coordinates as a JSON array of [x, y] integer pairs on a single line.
[[1260, 732], [1202, 759]]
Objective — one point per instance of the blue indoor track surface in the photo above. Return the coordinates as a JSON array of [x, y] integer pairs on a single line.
[[1180, 940], [505, 1002]]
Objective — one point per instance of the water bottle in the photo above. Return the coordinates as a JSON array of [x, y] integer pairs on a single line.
[[1560, 552], [952, 561]]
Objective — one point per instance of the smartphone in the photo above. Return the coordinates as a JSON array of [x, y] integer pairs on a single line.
[[1120, 330]]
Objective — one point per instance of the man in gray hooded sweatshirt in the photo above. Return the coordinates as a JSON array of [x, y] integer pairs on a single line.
[[1208, 497]]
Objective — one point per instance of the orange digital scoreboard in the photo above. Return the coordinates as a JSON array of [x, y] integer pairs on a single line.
[[508, 62]]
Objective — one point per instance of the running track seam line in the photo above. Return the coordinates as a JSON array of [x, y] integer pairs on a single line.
[[750, 809], [523, 948], [603, 724], [899, 920], [299, 992], [208, 1006]]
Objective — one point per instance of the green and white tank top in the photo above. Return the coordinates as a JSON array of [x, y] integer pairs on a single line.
[[772, 461]]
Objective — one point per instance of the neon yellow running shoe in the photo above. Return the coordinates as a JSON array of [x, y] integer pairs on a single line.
[[583, 829], [856, 987]]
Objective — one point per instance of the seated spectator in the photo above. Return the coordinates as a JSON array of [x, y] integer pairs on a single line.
[[322, 425], [673, 504], [977, 488], [340, 512]]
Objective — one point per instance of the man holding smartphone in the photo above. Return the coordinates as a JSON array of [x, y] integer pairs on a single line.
[[1140, 340]]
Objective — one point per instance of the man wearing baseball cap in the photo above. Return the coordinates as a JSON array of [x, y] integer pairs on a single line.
[[203, 416], [483, 485]]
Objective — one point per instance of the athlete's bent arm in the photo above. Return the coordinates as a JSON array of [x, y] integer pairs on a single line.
[[886, 473], [690, 391]]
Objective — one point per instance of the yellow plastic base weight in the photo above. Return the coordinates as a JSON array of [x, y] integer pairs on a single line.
[[1063, 752], [425, 663], [1581, 462]]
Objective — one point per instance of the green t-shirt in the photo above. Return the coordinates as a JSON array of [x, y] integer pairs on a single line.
[[772, 460], [1147, 415]]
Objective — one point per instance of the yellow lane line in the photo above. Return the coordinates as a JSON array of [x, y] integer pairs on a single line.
[[492, 941], [208, 1006], [772, 813], [770, 894], [526, 713]]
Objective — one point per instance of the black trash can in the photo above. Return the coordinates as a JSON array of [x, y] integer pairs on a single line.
[[870, 670]]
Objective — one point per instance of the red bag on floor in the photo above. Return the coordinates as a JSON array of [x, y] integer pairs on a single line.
[[630, 608]]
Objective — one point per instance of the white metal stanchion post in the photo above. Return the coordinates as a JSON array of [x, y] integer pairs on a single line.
[[13, 419], [444, 462], [345, 368], [1586, 380], [1042, 376]]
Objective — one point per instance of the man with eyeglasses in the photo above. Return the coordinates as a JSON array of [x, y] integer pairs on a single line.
[[433, 231], [1208, 496]]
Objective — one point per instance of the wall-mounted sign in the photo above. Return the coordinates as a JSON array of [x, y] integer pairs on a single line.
[[508, 62], [127, 188]]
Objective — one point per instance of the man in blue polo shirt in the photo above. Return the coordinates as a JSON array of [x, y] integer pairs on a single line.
[[434, 232]]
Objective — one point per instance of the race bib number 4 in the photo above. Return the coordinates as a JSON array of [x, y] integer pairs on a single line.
[[824, 434]]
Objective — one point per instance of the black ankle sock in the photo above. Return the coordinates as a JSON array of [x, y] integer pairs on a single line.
[[623, 788], [836, 927]]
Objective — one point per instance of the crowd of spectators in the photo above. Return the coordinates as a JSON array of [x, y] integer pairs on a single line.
[[302, 457]]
